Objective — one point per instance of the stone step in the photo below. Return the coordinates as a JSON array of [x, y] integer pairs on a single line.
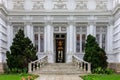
[[60, 69]]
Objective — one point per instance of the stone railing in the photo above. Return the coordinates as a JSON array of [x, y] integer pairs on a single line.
[[81, 64], [37, 64]]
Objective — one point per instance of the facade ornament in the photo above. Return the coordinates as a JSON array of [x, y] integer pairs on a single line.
[[38, 4], [101, 4], [18, 4], [60, 4], [81, 4]]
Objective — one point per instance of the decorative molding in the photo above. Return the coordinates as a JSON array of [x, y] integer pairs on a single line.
[[18, 4], [81, 4], [60, 4], [60, 27], [38, 4], [101, 4]]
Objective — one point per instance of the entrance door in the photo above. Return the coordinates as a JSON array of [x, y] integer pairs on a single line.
[[60, 50], [60, 40]]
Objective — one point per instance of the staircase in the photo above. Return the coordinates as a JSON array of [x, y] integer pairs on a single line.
[[59, 68], [77, 66]]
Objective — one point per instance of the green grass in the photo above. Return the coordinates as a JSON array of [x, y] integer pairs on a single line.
[[102, 77], [15, 76]]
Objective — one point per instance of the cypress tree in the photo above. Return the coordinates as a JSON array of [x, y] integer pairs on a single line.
[[94, 54], [21, 52]]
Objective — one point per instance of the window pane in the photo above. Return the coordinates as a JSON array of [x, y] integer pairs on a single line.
[[78, 43], [36, 41], [83, 42], [98, 38], [41, 43], [103, 41]]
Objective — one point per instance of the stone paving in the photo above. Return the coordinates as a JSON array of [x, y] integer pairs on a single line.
[[59, 77]]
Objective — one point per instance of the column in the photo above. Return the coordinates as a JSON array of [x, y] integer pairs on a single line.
[[49, 39], [70, 39], [109, 38], [91, 28], [10, 34], [29, 30], [74, 39], [45, 38]]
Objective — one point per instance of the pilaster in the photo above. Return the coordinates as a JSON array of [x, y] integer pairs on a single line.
[[29, 30], [49, 34], [109, 38], [70, 38], [91, 28], [49, 38], [10, 34]]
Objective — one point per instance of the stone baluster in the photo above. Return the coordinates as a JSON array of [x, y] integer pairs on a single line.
[[83, 65], [29, 68], [89, 68]]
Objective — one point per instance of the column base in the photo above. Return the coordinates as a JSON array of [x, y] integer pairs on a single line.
[[3, 67], [114, 66]]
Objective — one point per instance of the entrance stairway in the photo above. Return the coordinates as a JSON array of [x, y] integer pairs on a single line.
[[60, 68], [77, 66]]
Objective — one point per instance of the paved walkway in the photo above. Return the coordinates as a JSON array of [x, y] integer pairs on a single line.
[[59, 77]]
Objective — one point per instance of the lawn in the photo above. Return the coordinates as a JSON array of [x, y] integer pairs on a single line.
[[102, 77], [15, 76]]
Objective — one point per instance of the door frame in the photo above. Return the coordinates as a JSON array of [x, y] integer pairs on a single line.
[[65, 39]]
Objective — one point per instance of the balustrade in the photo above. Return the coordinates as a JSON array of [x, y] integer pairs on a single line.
[[37, 64], [81, 64]]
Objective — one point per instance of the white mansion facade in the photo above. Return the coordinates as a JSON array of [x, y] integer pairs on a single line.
[[59, 28]]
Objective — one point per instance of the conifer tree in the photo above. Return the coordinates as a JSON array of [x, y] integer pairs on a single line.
[[21, 52], [94, 54]]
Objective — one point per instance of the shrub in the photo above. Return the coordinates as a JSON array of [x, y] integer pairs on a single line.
[[100, 70]]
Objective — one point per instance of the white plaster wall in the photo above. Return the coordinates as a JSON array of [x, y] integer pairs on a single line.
[[91, 5], [28, 5], [116, 40], [3, 40]]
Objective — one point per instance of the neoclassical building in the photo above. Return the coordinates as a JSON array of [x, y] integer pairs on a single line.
[[59, 28]]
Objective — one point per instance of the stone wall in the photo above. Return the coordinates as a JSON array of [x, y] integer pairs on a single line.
[[3, 67], [114, 66]]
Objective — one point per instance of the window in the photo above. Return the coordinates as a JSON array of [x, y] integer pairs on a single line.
[[101, 36], [80, 39], [39, 38]]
